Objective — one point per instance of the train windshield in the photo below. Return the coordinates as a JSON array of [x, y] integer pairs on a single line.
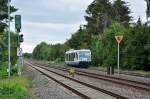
[[85, 54]]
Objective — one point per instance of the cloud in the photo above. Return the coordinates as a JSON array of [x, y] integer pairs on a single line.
[[138, 9], [52, 21], [58, 11], [27, 47], [36, 32]]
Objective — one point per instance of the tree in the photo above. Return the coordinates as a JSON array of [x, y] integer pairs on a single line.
[[4, 47], [41, 51], [27, 55], [148, 9], [121, 12], [97, 51], [80, 39], [139, 23], [98, 16], [137, 48], [101, 13], [4, 14]]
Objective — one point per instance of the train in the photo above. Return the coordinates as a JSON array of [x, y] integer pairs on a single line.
[[78, 58]]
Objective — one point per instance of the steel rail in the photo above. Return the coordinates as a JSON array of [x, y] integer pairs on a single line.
[[64, 85], [83, 83], [131, 83]]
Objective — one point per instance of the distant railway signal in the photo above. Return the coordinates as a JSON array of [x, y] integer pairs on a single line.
[[18, 23], [21, 38], [118, 38]]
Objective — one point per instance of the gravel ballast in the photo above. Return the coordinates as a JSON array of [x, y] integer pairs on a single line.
[[42, 87], [130, 92]]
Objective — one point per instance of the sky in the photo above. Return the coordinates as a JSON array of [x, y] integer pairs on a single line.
[[54, 21]]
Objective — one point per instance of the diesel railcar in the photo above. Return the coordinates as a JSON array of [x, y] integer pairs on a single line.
[[78, 58]]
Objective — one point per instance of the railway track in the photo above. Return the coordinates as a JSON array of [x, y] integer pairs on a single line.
[[121, 72], [135, 84], [37, 67]]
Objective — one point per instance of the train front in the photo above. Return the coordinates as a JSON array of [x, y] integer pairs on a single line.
[[84, 58]]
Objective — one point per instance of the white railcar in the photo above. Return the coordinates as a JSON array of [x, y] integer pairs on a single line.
[[78, 58]]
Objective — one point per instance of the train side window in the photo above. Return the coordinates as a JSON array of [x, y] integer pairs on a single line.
[[76, 55], [67, 57], [72, 57]]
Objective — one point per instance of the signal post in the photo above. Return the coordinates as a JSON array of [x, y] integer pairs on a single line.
[[20, 40], [118, 39]]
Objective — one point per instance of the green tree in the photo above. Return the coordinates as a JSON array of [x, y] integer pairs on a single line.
[[104, 46], [137, 48], [41, 51], [121, 12], [4, 13], [98, 14], [79, 40], [97, 51], [148, 9], [27, 55], [4, 47]]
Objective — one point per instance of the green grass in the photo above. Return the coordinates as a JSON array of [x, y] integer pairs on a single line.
[[14, 88]]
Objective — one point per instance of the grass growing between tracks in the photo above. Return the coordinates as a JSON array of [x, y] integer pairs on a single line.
[[15, 87]]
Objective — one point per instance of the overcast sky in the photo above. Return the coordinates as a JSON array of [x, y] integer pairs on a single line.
[[53, 21]]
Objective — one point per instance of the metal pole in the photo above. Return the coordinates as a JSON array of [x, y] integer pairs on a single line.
[[9, 62], [118, 58]]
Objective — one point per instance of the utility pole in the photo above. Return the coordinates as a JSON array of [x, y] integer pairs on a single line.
[[9, 61]]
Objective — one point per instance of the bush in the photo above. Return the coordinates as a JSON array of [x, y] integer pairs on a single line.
[[3, 70], [14, 88]]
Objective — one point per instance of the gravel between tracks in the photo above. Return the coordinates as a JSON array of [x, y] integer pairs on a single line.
[[130, 77], [45, 88], [129, 92], [98, 71]]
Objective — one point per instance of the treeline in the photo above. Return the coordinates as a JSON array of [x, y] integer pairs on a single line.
[[106, 19], [43, 51], [4, 47], [4, 33]]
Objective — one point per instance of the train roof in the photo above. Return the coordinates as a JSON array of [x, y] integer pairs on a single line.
[[72, 51]]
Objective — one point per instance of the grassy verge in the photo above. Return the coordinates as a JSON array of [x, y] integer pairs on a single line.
[[15, 87]]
